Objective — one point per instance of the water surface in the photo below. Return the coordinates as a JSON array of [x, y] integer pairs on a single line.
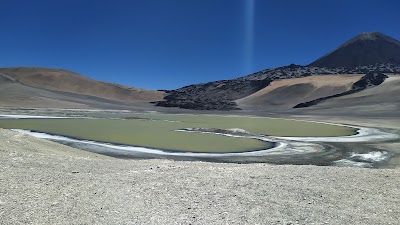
[[159, 131]]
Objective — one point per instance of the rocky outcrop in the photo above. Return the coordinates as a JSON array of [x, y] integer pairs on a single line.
[[218, 95], [369, 80]]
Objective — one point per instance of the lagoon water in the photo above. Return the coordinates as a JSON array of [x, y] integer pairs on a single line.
[[160, 131]]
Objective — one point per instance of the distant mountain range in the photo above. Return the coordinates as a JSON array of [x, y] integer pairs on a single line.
[[364, 53], [345, 77]]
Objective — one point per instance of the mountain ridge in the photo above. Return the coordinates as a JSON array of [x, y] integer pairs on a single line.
[[221, 94], [214, 95]]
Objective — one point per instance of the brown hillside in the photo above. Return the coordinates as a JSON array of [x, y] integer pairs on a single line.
[[67, 81]]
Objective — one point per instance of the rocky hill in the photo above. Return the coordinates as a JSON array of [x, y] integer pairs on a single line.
[[71, 82]]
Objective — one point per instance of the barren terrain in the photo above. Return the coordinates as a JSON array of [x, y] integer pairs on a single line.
[[284, 94], [47, 183], [56, 88], [378, 101]]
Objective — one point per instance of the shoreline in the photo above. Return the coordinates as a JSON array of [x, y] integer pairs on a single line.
[[59, 184], [284, 147]]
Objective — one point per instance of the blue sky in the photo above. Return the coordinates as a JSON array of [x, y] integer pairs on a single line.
[[166, 44]]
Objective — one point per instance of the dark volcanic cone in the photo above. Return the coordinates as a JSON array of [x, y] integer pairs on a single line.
[[365, 49]]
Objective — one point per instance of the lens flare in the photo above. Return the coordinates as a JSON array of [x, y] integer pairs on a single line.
[[249, 35]]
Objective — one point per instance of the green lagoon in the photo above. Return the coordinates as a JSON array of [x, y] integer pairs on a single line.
[[159, 130]]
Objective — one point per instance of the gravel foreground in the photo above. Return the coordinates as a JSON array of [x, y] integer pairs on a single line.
[[42, 182]]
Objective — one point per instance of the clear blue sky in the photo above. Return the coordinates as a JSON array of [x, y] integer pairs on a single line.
[[166, 44]]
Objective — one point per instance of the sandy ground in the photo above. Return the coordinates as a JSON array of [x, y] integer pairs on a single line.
[[378, 101], [345, 80], [42, 182], [284, 94]]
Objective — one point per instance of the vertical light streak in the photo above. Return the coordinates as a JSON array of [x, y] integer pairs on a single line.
[[249, 35]]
